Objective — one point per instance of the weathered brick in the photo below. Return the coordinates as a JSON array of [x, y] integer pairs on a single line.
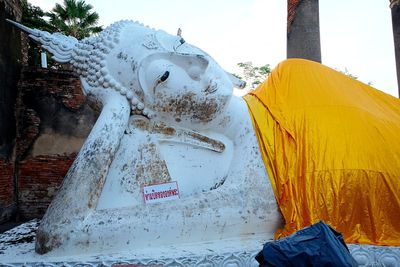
[[49, 103], [6, 182], [38, 181], [291, 13], [7, 200]]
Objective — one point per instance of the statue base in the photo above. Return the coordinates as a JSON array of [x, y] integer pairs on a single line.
[[17, 249]]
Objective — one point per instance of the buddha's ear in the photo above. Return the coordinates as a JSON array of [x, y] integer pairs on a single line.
[[237, 82], [60, 45]]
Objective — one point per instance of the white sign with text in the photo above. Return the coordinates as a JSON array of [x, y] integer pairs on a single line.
[[160, 192]]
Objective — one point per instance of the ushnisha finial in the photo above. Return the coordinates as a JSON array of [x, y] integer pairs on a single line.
[[61, 46]]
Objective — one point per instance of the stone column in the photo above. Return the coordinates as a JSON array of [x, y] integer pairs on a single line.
[[10, 64], [395, 6], [303, 37]]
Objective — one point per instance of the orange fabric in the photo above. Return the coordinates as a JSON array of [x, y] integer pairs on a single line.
[[331, 146]]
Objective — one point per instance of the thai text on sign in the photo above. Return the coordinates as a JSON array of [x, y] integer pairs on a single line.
[[160, 192]]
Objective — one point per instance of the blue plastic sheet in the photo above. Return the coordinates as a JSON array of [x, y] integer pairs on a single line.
[[316, 245]]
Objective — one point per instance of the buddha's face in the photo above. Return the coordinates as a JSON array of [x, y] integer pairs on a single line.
[[177, 82], [183, 85], [184, 88]]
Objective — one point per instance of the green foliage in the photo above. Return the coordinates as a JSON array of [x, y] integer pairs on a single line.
[[253, 75], [347, 73], [74, 18], [32, 17]]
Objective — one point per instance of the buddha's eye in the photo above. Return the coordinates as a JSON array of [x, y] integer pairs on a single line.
[[161, 79], [164, 77]]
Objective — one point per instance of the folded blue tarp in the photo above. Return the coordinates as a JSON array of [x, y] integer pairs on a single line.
[[316, 245]]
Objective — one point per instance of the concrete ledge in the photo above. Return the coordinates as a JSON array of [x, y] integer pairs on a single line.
[[17, 249]]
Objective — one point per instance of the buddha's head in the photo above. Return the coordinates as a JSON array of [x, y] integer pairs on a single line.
[[160, 74]]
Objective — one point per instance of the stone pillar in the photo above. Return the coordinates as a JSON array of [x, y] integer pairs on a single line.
[[10, 65], [395, 6], [303, 37]]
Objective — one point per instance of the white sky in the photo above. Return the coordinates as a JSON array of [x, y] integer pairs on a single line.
[[355, 34]]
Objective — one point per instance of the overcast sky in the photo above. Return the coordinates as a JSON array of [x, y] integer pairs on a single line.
[[355, 34]]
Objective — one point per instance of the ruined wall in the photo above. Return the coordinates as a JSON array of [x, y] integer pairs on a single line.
[[44, 119], [7, 200], [38, 181], [53, 121], [10, 64]]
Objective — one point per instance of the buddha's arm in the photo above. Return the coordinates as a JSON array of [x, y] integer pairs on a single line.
[[243, 206], [84, 181], [239, 210]]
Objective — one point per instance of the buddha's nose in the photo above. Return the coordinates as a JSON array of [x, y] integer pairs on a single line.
[[195, 72]]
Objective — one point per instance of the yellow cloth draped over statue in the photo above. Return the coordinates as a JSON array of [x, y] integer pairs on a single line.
[[331, 146]]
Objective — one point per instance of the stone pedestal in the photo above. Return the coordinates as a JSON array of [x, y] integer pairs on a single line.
[[17, 249]]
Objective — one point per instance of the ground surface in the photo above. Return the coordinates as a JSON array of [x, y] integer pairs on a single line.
[[8, 225]]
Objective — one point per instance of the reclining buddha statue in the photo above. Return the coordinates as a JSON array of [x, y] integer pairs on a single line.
[[308, 144]]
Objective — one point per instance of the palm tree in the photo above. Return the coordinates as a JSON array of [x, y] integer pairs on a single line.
[[74, 18], [303, 38], [395, 6], [32, 17]]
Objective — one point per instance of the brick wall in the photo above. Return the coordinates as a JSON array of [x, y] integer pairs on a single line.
[[7, 203], [291, 12], [38, 181], [50, 103], [53, 119]]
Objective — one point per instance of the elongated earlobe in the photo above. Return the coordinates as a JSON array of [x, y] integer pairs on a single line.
[[238, 83]]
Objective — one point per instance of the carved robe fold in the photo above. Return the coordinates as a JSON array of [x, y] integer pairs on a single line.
[[331, 146]]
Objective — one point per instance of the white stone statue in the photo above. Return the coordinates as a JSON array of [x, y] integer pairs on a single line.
[[168, 117]]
